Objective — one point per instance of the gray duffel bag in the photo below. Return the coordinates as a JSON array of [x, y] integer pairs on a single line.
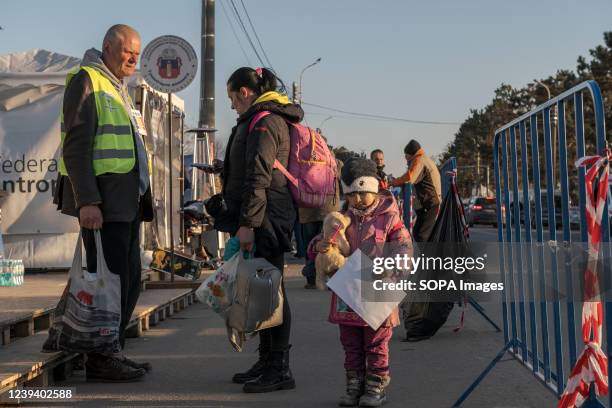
[[257, 302]]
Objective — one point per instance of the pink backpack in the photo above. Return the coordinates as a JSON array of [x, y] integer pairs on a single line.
[[312, 167]]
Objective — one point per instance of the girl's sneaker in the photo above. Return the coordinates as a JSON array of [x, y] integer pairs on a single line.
[[354, 389]]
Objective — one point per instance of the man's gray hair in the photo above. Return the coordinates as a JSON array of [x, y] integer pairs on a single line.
[[118, 31]]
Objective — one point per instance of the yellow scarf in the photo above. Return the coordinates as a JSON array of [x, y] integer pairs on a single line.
[[273, 96]]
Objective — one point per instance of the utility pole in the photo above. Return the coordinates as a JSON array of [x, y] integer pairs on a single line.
[[205, 138], [478, 168], [207, 73]]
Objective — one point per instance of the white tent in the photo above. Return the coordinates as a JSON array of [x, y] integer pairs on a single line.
[[31, 92]]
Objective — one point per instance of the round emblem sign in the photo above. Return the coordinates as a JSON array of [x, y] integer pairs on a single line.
[[168, 64]]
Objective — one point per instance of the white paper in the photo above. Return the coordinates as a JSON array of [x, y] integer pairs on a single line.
[[347, 285]]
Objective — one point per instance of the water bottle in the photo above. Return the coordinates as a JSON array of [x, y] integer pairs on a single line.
[[11, 272], [21, 272], [16, 272], [4, 277], [6, 273]]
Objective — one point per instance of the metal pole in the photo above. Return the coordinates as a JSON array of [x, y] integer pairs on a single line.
[[324, 120], [478, 169], [302, 73], [554, 130], [294, 92], [207, 71], [207, 113], [182, 183], [209, 160], [171, 209], [207, 95]]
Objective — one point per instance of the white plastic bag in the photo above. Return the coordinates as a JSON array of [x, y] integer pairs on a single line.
[[348, 285], [88, 315], [217, 291]]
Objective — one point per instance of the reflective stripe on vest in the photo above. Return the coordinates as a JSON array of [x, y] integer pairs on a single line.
[[114, 150]]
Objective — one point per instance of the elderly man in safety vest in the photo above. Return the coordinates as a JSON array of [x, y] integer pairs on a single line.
[[104, 178]]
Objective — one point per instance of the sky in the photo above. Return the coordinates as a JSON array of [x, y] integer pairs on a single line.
[[422, 60]]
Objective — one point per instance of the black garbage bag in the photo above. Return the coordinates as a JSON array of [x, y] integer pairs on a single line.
[[423, 319]]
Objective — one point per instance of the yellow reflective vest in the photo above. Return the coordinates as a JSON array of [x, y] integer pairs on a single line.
[[114, 150]]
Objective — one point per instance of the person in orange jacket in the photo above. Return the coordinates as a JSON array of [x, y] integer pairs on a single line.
[[424, 175]]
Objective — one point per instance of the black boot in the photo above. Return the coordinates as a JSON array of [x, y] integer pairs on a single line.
[[375, 394], [255, 371], [276, 375]]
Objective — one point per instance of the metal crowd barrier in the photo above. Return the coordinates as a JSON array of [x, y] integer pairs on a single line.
[[532, 325], [407, 206]]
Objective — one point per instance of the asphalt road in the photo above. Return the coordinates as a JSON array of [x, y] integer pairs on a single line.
[[486, 233], [193, 363]]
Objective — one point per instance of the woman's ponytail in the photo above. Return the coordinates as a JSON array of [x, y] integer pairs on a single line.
[[259, 80]]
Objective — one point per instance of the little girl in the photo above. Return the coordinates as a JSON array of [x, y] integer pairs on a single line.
[[375, 220]]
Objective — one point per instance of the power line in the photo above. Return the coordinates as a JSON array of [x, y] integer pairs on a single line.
[[349, 117], [235, 34], [246, 33], [255, 32], [369, 115]]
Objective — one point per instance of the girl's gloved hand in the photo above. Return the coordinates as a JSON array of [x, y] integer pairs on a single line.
[[325, 245]]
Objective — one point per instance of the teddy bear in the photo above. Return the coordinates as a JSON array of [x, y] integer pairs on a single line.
[[327, 263]]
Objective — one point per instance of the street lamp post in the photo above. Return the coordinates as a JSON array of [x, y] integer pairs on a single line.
[[323, 121], [302, 73], [554, 128]]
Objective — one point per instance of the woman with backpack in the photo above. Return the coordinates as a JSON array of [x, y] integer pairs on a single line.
[[259, 202]]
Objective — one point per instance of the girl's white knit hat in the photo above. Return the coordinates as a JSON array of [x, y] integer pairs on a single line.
[[359, 175]]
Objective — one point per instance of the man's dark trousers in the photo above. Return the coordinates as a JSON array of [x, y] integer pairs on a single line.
[[121, 245], [425, 221]]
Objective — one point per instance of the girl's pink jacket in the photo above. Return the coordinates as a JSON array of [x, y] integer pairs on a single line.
[[380, 233]]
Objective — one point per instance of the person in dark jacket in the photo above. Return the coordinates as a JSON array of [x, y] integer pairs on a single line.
[[311, 222], [425, 177], [259, 202], [378, 157], [112, 201]]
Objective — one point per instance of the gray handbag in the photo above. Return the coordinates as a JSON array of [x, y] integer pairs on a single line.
[[257, 303]]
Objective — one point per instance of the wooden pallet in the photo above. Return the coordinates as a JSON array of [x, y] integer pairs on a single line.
[[24, 315], [23, 364]]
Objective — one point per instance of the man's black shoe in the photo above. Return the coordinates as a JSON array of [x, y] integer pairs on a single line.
[[131, 363], [108, 369]]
